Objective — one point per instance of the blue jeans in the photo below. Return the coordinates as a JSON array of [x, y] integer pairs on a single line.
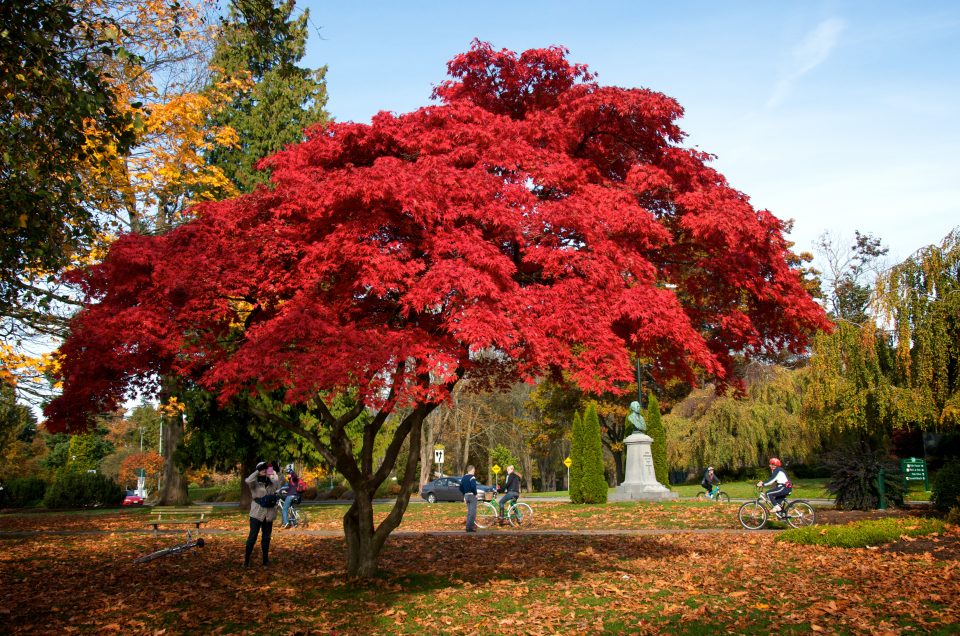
[[471, 499], [510, 496], [286, 506]]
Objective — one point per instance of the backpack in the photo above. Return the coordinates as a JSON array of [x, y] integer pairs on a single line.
[[301, 486], [463, 480]]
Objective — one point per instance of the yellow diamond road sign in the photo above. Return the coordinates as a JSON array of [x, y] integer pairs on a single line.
[[567, 462], [495, 469]]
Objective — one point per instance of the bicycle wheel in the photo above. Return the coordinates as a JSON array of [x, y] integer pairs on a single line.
[[723, 497], [702, 496], [487, 515], [800, 514], [520, 515], [302, 519], [752, 515]]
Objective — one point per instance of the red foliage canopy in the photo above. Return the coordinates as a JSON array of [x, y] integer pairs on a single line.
[[533, 221]]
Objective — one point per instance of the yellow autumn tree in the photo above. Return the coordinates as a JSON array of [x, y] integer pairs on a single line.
[[160, 79]]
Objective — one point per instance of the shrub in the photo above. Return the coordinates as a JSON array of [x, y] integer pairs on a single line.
[[946, 487], [854, 470], [862, 533], [21, 492], [75, 489]]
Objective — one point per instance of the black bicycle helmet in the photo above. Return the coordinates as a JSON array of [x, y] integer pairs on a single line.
[[262, 466]]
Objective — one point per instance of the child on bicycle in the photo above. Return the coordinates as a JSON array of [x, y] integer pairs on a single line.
[[782, 486], [710, 482]]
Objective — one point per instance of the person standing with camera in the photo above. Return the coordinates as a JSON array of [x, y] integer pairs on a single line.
[[263, 483]]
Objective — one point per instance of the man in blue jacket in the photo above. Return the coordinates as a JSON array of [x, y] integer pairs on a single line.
[[468, 486]]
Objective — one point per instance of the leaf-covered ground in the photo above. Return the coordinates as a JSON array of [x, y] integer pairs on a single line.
[[492, 582]]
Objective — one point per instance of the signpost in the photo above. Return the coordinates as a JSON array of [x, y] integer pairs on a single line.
[[915, 470], [496, 474], [567, 462], [438, 457]]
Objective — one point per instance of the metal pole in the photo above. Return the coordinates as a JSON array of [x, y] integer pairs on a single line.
[[639, 385]]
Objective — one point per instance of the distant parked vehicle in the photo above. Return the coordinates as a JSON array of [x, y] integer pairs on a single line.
[[132, 499], [446, 489]]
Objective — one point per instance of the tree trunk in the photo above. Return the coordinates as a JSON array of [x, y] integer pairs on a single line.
[[248, 466], [618, 462], [174, 491], [426, 451], [364, 542]]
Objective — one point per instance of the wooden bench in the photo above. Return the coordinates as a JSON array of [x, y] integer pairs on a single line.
[[194, 516]]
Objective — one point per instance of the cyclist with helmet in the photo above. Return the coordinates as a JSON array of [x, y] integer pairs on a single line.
[[289, 492], [710, 481], [781, 485]]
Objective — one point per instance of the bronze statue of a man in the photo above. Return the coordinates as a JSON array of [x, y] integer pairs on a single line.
[[635, 419]]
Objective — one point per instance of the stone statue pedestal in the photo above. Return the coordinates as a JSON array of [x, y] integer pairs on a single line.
[[640, 481]]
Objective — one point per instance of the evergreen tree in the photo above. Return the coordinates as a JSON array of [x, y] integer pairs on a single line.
[[593, 485], [262, 39], [659, 434], [576, 459]]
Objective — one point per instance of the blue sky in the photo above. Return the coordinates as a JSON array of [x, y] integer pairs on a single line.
[[840, 115]]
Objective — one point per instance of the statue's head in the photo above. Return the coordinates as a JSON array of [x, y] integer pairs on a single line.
[[635, 406]]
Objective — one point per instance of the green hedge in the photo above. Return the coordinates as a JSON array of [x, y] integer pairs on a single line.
[[862, 533], [75, 489], [21, 492], [946, 487]]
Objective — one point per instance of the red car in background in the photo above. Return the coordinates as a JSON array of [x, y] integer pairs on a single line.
[[132, 499]]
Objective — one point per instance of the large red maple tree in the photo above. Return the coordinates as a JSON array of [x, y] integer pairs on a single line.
[[532, 222]]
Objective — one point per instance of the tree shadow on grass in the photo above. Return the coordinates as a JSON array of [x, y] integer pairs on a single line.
[[87, 583]]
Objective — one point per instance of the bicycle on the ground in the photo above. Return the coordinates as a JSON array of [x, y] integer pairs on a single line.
[[296, 518], [488, 512], [176, 549], [753, 515], [715, 494]]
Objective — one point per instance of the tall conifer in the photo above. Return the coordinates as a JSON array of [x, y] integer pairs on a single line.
[[263, 39], [593, 486]]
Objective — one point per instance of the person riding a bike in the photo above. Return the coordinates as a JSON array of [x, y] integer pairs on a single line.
[[781, 485], [289, 493], [512, 487], [710, 482]]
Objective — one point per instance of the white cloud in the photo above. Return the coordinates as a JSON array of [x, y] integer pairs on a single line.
[[810, 53]]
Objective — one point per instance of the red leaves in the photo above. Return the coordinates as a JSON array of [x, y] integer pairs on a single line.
[[535, 216]]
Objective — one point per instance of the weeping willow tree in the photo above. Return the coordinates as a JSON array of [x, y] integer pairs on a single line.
[[852, 383], [734, 432], [920, 299]]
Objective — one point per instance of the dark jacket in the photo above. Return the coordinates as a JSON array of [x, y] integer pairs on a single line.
[[468, 484], [512, 483]]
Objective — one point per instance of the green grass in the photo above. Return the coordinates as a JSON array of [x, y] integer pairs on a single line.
[[802, 489], [863, 533]]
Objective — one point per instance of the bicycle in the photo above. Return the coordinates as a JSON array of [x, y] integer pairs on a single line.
[[488, 513], [753, 515], [295, 516], [176, 549], [714, 495]]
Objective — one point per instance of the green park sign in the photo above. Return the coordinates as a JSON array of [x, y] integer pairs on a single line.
[[915, 470]]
